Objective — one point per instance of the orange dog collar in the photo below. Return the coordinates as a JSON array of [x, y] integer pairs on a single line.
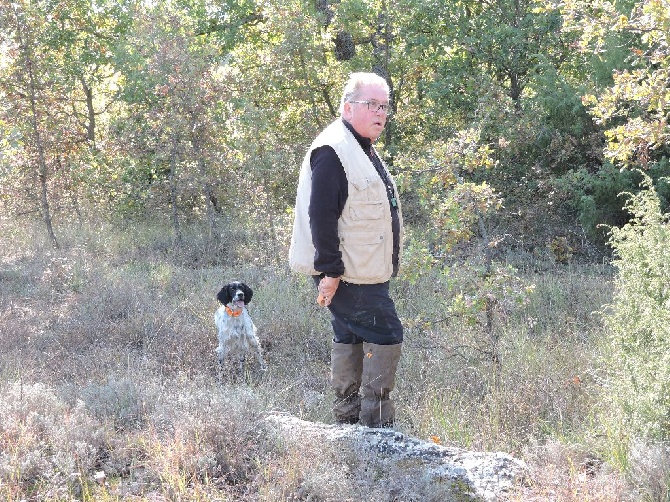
[[233, 313]]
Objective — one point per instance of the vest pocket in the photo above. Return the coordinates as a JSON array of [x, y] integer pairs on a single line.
[[366, 210], [371, 190], [365, 255]]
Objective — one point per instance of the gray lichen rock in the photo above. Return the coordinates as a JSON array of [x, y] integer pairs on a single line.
[[455, 473]]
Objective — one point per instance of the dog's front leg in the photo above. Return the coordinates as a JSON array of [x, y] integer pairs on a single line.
[[261, 362], [221, 354]]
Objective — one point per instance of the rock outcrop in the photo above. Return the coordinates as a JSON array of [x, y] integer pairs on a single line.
[[456, 473]]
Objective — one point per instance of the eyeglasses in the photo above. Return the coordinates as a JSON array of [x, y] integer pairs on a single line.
[[374, 106]]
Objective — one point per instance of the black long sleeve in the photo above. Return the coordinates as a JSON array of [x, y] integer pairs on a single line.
[[329, 194]]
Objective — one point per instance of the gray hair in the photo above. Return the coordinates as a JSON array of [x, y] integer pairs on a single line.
[[358, 80]]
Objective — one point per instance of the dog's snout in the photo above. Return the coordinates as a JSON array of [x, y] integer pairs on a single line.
[[239, 295]]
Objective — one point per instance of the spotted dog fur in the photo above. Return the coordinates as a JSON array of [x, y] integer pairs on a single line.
[[236, 330]]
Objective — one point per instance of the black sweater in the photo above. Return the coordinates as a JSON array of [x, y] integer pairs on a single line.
[[330, 190]]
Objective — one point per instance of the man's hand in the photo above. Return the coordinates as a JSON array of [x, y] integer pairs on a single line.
[[327, 288]]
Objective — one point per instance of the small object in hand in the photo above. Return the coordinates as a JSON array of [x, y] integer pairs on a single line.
[[328, 287], [321, 300]]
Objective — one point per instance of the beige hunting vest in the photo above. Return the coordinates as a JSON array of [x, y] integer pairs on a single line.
[[364, 228]]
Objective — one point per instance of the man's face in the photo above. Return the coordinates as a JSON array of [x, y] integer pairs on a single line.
[[367, 120]]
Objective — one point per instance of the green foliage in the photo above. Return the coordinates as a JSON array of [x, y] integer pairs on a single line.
[[634, 109], [598, 197], [638, 349], [449, 204], [561, 102], [509, 38], [169, 102]]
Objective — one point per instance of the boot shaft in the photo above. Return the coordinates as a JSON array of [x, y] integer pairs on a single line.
[[346, 369], [346, 366], [380, 363]]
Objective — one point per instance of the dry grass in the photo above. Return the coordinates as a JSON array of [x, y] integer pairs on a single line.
[[108, 367]]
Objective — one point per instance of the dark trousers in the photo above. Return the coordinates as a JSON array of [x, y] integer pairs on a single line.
[[364, 313]]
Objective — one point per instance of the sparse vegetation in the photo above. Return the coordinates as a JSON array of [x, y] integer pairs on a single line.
[[108, 367]]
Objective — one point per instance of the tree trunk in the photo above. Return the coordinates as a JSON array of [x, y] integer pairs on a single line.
[[199, 153], [42, 171], [90, 124], [174, 195]]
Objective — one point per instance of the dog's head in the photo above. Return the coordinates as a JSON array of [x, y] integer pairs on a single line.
[[237, 293]]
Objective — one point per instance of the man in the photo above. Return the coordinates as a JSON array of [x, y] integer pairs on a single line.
[[348, 234]]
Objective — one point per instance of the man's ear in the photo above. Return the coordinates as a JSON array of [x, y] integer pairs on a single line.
[[346, 110]]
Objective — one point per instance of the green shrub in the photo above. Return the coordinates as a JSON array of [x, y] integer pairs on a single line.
[[637, 352], [598, 197]]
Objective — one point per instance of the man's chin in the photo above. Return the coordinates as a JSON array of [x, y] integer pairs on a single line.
[[376, 132]]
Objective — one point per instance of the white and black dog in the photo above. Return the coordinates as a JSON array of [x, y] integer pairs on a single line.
[[236, 330]]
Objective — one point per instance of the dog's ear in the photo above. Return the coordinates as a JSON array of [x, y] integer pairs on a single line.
[[224, 296], [248, 293]]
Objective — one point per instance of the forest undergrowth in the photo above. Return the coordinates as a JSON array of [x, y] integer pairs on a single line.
[[109, 387]]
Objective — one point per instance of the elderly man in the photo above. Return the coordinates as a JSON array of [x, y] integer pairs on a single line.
[[348, 234]]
